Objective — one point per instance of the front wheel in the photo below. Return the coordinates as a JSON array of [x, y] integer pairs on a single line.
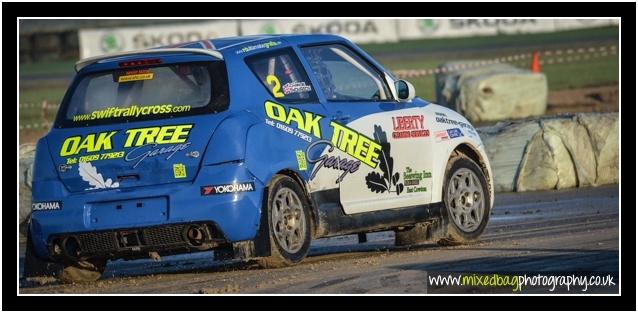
[[289, 223], [467, 201]]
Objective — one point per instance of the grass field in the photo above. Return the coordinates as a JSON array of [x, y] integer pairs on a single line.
[[503, 41], [594, 72], [36, 84]]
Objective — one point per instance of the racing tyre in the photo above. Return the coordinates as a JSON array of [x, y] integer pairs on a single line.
[[289, 223], [466, 199], [82, 271]]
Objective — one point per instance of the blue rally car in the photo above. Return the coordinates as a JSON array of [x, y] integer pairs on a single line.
[[249, 146]]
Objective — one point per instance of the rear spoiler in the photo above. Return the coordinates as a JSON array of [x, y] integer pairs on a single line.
[[88, 61]]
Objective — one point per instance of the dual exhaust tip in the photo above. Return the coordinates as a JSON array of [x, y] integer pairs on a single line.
[[195, 235], [67, 246]]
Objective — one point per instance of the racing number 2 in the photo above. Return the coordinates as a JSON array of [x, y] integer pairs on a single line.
[[273, 80]]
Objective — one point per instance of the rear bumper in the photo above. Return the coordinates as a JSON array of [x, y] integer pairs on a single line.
[[233, 216], [131, 243]]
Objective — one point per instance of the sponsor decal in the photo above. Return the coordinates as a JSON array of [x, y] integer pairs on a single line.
[[301, 160], [409, 127], [95, 157], [357, 145], [304, 121], [296, 87], [91, 143], [442, 118], [139, 154], [454, 133], [179, 170], [159, 134], [63, 167], [144, 140], [301, 135], [412, 180], [265, 45], [276, 86], [134, 77], [46, 206], [227, 188], [381, 183], [441, 135], [131, 111], [135, 137], [445, 120], [343, 138], [89, 174], [331, 161]]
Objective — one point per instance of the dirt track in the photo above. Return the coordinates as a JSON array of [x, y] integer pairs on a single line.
[[556, 231]]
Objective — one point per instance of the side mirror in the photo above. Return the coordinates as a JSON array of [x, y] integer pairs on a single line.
[[405, 90]]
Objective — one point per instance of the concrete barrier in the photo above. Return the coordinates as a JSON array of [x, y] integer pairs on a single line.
[[491, 93], [25, 168], [570, 150]]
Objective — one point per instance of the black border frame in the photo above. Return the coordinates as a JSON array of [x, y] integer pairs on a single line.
[[586, 303]]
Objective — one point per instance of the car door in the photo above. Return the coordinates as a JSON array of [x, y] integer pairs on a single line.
[[377, 144]]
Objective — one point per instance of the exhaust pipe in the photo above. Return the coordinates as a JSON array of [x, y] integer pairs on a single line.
[[195, 235], [71, 247]]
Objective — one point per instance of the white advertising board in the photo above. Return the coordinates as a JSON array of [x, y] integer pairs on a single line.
[[359, 31], [100, 41], [437, 28]]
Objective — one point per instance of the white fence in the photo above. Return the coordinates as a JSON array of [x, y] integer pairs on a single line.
[[99, 41]]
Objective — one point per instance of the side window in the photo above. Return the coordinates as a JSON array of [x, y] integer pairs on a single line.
[[282, 74], [344, 76]]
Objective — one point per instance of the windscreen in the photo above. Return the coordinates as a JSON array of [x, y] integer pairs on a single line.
[[157, 92]]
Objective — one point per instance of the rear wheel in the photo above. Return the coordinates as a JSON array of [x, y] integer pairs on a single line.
[[466, 199], [289, 223]]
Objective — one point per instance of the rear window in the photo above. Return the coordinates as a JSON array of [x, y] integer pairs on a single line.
[[144, 93]]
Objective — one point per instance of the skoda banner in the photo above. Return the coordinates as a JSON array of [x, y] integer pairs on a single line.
[[100, 41], [359, 31]]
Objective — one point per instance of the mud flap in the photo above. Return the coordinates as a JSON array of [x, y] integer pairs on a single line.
[[249, 249], [37, 267]]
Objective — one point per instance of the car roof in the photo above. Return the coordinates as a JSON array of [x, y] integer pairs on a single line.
[[231, 43], [215, 47]]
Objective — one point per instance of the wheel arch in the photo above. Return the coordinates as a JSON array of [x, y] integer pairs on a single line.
[[314, 217]]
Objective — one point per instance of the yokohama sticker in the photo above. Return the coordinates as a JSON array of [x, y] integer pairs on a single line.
[[46, 206], [227, 188]]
